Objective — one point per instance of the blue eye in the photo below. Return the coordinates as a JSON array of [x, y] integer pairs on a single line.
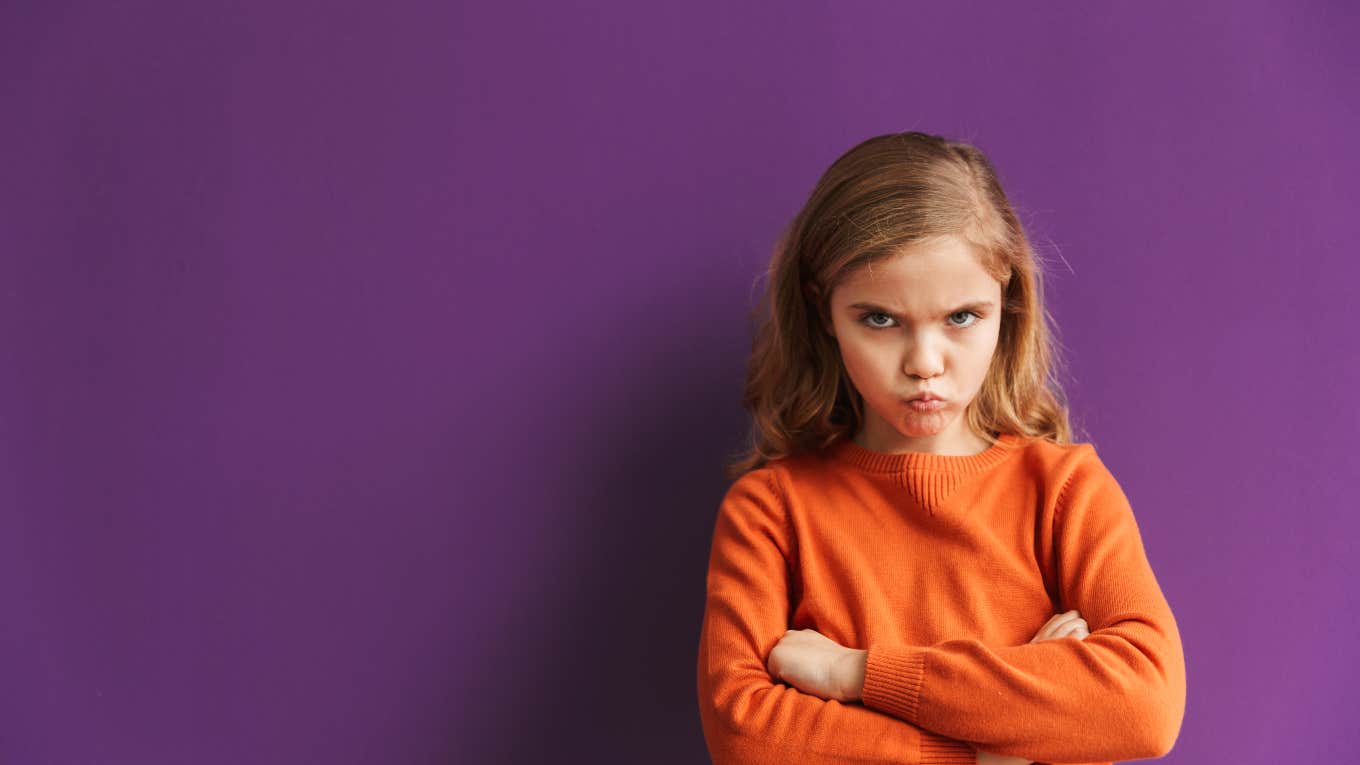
[[875, 326], [966, 313]]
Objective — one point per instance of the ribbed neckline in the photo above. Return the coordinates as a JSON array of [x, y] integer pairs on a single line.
[[961, 464]]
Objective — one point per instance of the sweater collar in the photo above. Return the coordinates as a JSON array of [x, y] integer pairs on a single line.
[[929, 478], [871, 461]]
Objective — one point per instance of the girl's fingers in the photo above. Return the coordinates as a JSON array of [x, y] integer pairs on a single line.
[[1064, 625], [1076, 628], [1064, 617], [1045, 632], [1055, 624]]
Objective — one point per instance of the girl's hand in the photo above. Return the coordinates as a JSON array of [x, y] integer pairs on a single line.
[[1069, 624], [816, 664]]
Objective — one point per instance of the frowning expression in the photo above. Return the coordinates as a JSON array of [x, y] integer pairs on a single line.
[[924, 321]]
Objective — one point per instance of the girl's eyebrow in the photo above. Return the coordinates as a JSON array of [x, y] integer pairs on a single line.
[[973, 306]]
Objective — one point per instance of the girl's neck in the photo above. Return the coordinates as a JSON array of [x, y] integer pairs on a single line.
[[968, 445]]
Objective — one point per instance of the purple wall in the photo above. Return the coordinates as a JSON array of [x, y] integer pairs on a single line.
[[367, 371]]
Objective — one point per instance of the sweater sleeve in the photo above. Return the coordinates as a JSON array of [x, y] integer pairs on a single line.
[[1118, 694], [748, 718]]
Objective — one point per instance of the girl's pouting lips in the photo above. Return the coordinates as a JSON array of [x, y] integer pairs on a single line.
[[933, 405]]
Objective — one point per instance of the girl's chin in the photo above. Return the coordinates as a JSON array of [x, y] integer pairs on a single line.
[[930, 424]]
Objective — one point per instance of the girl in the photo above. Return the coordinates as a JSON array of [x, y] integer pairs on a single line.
[[886, 566]]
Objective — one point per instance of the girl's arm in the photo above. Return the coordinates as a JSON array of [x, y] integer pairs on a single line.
[[1119, 694], [748, 718], [1069, 624]]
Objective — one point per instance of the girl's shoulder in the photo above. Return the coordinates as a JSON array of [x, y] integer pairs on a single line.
[[1036, 442], [777, 477], [1046, 449], [1052, 463], [1068, 465]]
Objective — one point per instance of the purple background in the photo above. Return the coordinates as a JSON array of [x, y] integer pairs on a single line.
[[368, 370]]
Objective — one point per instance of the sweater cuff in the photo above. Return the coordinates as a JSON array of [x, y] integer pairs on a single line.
[[939, 750], [893, 676]]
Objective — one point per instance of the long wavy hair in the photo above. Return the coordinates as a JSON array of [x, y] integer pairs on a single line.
[[885, 193]]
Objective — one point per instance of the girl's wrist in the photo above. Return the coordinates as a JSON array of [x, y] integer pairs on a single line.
[[851, 669]]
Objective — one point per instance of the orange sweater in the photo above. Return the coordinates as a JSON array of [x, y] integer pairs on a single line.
[[944, 568]]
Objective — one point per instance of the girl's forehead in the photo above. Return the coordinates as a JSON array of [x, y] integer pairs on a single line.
[[915, 285], [934, 270]]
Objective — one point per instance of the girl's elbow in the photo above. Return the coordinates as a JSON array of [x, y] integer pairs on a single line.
[[1164, 713]]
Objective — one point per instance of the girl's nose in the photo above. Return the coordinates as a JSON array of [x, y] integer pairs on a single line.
[[921, 360]]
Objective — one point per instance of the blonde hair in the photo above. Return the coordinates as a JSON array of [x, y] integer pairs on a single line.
[[888, 192]]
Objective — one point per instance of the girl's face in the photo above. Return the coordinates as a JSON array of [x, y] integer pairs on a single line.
[[927, 320]]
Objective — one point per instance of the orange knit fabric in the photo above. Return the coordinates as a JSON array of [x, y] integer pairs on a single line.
[[944, 568]]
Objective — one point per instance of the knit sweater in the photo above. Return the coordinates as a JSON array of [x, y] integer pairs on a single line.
[[942, 567]]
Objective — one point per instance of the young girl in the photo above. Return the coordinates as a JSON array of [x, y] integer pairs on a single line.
[[887, 564]]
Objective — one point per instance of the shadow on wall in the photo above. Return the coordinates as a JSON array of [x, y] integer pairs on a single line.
[[612, 675]]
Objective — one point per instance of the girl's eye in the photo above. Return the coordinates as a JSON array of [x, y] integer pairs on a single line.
[[966, 313], [872, 325]]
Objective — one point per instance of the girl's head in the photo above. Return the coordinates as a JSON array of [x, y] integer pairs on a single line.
[[878, 291]]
